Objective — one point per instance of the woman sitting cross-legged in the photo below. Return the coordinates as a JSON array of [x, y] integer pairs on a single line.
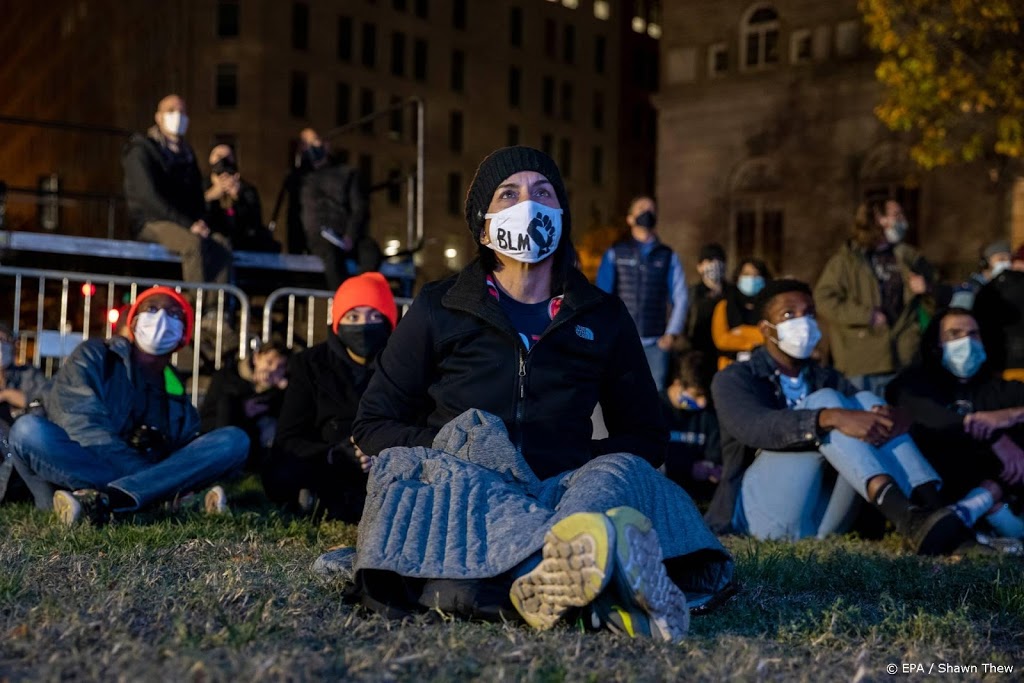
[[487, 491]]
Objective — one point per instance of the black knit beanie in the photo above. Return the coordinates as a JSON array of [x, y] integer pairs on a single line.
[[499, 165]]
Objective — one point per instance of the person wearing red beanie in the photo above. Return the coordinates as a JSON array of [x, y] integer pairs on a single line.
[[121, 434], [314, 464]]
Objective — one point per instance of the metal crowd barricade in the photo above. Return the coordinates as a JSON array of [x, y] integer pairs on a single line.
[[65, 315], [292, 296]]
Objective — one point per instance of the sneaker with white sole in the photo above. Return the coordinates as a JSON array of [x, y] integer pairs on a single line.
[[215, 501], [576, 565], [641, 579], [82, 504]]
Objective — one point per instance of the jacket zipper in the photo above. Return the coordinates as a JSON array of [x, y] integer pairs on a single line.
[[520, 396]]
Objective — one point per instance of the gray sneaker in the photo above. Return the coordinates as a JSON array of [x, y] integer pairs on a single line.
[[576, 566], [337, 563], [72, 507], [641, 579]]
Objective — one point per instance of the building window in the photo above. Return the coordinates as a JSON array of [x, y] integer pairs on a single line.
[[602, 9], [419, 60], [597, 165], [345, 39], [547, 144], [512, 135], [718, 59], [597, 111], [801, 49], [847, 38], [550, 38], [458, 71], [459, 14], [227, 19], [226, 86], [300, 26], [455, 194], [396, 118], [569, 44], [395, 186], [515, 26], [565, 157], [297, 92], [398, 54], [548, 96], [758, 232], [760, 37], [515, 77], [342, 104], [366, 106], [422, 9], [455, 132], [369, 46], [567, 98], [365, 166], [600, 48]]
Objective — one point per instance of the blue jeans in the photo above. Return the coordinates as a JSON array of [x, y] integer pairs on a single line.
[[658, 361], [794, 495], [47, 458]]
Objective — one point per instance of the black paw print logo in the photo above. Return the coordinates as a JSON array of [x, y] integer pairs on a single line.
[[542, 231]]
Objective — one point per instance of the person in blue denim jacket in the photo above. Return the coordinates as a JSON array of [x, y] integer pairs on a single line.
[[802, 446], [120, 432]]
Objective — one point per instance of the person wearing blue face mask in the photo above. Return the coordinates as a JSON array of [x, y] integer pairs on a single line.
[[801, 446], [734, 326], [120, 433], [488, 491], [873, 294], [968, 421], [694, 456], [647, 275]]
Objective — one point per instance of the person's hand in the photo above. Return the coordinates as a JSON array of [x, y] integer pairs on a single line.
[[365, 460], [878, 318], [917, 284], [665, 341], [231, 184], [200, 228], [1012, 457], [982, 425], [255, 407], [705, 470], [867, 426], [901, 419]]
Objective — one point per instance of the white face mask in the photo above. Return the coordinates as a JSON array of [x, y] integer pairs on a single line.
[[527, 232], [174, 122], [797, 337], [998, 268], [6, 355], [895, 233], [157, 333]]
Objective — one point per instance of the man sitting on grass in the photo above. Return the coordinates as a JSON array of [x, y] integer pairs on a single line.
[[122, 434], [819, 443]]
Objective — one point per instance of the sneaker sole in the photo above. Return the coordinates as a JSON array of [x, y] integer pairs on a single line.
[[574, 569], [215, 502], [944, 536], [642, 578], [66, 507]]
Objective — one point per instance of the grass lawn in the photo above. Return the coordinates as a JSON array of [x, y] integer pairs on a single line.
[[191, 598]]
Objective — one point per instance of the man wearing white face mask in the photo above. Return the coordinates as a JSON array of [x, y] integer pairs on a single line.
[[163, 190], [820, 445], [121, 433]]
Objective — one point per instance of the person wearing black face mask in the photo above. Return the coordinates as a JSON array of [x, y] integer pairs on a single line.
[[314, 464], [647, 276]]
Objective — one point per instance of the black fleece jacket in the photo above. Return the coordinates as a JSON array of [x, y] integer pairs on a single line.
[[456, 349], [160, 185]]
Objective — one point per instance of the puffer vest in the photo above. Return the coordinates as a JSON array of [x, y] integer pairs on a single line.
[[642, 284]]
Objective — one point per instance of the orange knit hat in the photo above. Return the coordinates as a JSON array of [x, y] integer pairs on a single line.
[[368, 289], [190, 316]]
